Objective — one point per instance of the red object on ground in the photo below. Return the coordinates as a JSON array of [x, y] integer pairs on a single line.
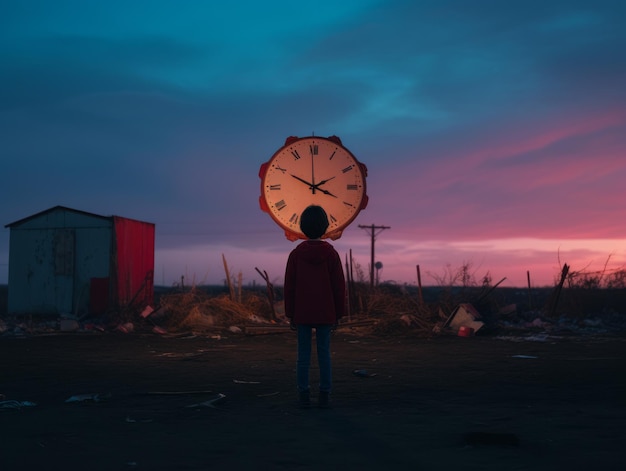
[[465, 331]]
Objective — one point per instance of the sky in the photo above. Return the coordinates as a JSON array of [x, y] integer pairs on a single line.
[[494, 133]]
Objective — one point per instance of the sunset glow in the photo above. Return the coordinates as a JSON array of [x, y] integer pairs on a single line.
[[493, 135]]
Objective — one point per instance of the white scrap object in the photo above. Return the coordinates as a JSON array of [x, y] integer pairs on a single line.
[[88, 397], [16, 404], [464, 315], [126, 328], [210, 402]]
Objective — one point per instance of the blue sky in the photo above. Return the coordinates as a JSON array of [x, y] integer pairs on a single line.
[[494, 132]]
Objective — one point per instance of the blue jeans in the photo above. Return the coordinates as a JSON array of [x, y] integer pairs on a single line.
[[303, 363]]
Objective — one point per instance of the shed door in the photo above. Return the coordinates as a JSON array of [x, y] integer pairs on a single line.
[[64, 250]]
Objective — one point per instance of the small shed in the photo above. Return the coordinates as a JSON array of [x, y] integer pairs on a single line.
[[66, 261]]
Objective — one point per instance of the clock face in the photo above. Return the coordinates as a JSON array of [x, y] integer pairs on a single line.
[[313, 170]]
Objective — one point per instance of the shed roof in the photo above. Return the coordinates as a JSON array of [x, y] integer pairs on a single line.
[[56, 208]]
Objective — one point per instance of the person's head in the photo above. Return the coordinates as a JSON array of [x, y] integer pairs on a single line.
[[314, 222]]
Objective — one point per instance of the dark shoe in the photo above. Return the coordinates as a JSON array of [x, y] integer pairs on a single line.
[[324, 400], [304, 400]]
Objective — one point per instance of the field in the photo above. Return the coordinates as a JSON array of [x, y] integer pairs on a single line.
[[112, 401], [520, 395]]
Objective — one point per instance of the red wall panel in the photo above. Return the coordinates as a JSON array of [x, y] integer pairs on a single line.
[[134, 257]]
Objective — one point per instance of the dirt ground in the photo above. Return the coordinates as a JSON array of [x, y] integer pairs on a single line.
[[478, 403]]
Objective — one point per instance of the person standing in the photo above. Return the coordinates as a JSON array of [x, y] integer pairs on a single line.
[[314, 300]]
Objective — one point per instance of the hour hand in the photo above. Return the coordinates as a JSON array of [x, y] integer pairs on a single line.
[[317, 185]]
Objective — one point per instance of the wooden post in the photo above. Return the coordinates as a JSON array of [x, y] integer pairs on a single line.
[[530, 298], [270, 291], [558, 289], [239, 286], [489, 291], [228, 280], [419, 285]]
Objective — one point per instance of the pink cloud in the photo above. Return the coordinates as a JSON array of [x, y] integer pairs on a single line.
[[550, 180]]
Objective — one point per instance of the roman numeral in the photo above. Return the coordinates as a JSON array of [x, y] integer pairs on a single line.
[[280, 205], [295, 154], [348, 204], [347, 169], [332, 155], [333, 219], [350, 187], [275, 187], [278, 167], [294, 218], [313, 149]]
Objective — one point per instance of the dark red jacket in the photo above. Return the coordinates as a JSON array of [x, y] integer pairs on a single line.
[[315, 287]]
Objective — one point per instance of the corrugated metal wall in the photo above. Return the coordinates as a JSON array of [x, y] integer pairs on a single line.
[[68, 261], [52, 257], [134, 256]]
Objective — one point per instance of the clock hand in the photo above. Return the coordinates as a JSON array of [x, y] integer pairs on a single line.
[[317, 186], [311, 186], [326, 192]]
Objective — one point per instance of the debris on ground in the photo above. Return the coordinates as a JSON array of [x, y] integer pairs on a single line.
[[196, 312], [464, 315], [363, 373], [16, 404], [98, 397], [211, 402]]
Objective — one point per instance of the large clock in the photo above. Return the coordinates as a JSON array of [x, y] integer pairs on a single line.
[[313, 171]]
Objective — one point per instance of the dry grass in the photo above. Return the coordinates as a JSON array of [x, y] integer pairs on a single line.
[[388, 309], [198, 310], [396, 311]]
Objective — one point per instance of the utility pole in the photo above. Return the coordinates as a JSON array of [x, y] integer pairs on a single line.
[[374, 231]]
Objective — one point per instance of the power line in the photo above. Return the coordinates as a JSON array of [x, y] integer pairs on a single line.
[[374, 230]]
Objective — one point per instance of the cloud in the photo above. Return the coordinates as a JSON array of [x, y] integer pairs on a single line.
[[478, 121]]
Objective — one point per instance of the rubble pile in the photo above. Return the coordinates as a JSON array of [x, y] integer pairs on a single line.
[[200, 312]]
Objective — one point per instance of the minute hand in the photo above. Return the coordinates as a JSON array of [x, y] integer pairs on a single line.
[[326, 192], [311, 186]]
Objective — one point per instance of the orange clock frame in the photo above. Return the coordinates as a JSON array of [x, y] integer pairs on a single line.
[[313, 170]]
